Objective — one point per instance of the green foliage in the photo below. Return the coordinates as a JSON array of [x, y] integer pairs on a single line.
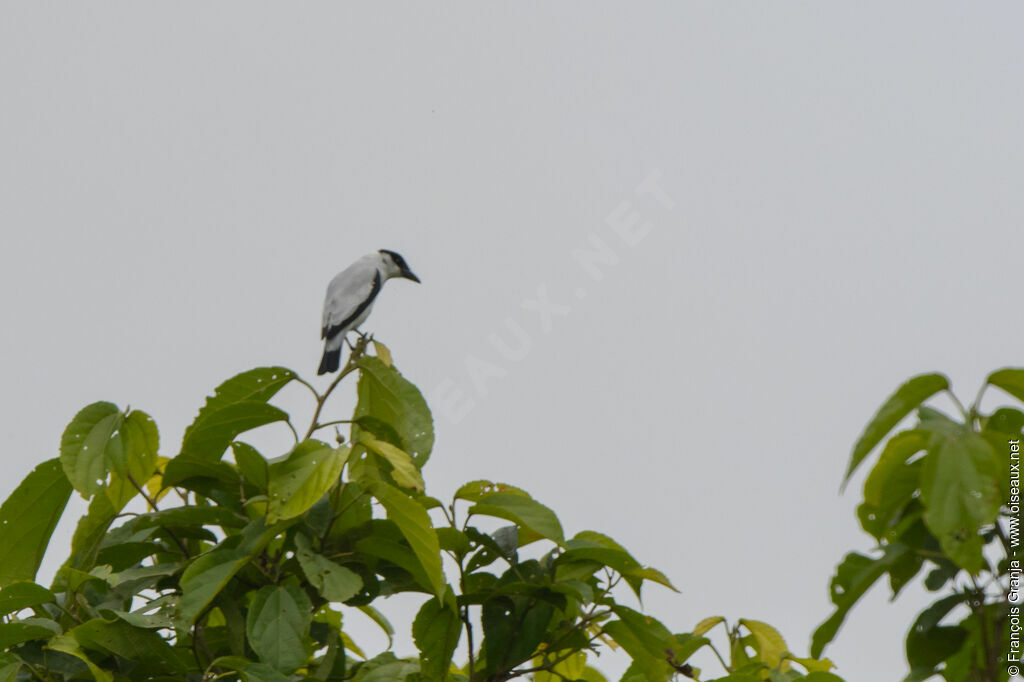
[[936, 502], [27, 520], [247, 569]]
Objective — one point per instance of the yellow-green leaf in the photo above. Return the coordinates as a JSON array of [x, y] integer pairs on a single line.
[[297, 482], [404, 472], [414, 522], [383, 352], [901, 403], [771, 647], [385, 395], [706, 624]]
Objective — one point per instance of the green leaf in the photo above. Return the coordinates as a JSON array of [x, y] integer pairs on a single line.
[[251, 463], [383, 352], [813, 664], [67, 644], [571, 667], [653, 665], [84, 445], [892, 481], [140, 442], [240, 664], [687, 645], [706, 624], [26, 631], [390, 672], [404, 472], [183, 468], [474, 491], [336, 583], [134, 644], [296, 483], [210, 434], [220, 419], [91, 532], [513, 629], [27, 520], [207, 574], [261, 672], [960, 491], [591, 546], [384, 394], [390, 549], [277, 625], [22, 595], [522, 511], [645, 639], [771, 647], [1010, 380], [901, 403], [653, 575], [436, 631], [101, 439], [192, 516], [414, 522], [9, 672], [204, 578], [656, 637], [929, 643], [250, 672], [854, 576]]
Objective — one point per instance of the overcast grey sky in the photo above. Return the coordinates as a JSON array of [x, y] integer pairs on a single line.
[[841, 208]]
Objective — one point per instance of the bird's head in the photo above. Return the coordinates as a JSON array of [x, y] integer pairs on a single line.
[[395, 265]]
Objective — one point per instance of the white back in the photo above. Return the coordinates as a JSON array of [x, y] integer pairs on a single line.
[[350, 288]]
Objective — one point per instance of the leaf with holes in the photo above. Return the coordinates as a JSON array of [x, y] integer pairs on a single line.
[[522, 511], [436, 631], [960, 491], [335, 582], [237, 405], [385, 395], [296, 483], [403, 470], [86, 447]]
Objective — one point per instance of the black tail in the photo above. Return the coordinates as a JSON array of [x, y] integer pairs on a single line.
[[330, 362]]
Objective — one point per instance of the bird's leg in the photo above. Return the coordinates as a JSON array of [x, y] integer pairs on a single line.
[[351, 347], [360, 348]]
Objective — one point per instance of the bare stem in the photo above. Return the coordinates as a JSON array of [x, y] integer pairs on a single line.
[[152, 504], [357, 352], [960, 406], [332, 423]]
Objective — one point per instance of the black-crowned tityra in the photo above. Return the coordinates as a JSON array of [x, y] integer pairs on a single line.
[[350, 297]]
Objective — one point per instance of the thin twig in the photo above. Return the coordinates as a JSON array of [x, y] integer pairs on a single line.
[[152, 504], [350, 367], [960, 407], [332, 423], [292, 428], [308, 385]]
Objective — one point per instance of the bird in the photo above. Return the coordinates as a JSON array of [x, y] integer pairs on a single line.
[[350, 298]]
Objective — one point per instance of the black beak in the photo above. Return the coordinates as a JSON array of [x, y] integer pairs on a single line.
[[408, 274]]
